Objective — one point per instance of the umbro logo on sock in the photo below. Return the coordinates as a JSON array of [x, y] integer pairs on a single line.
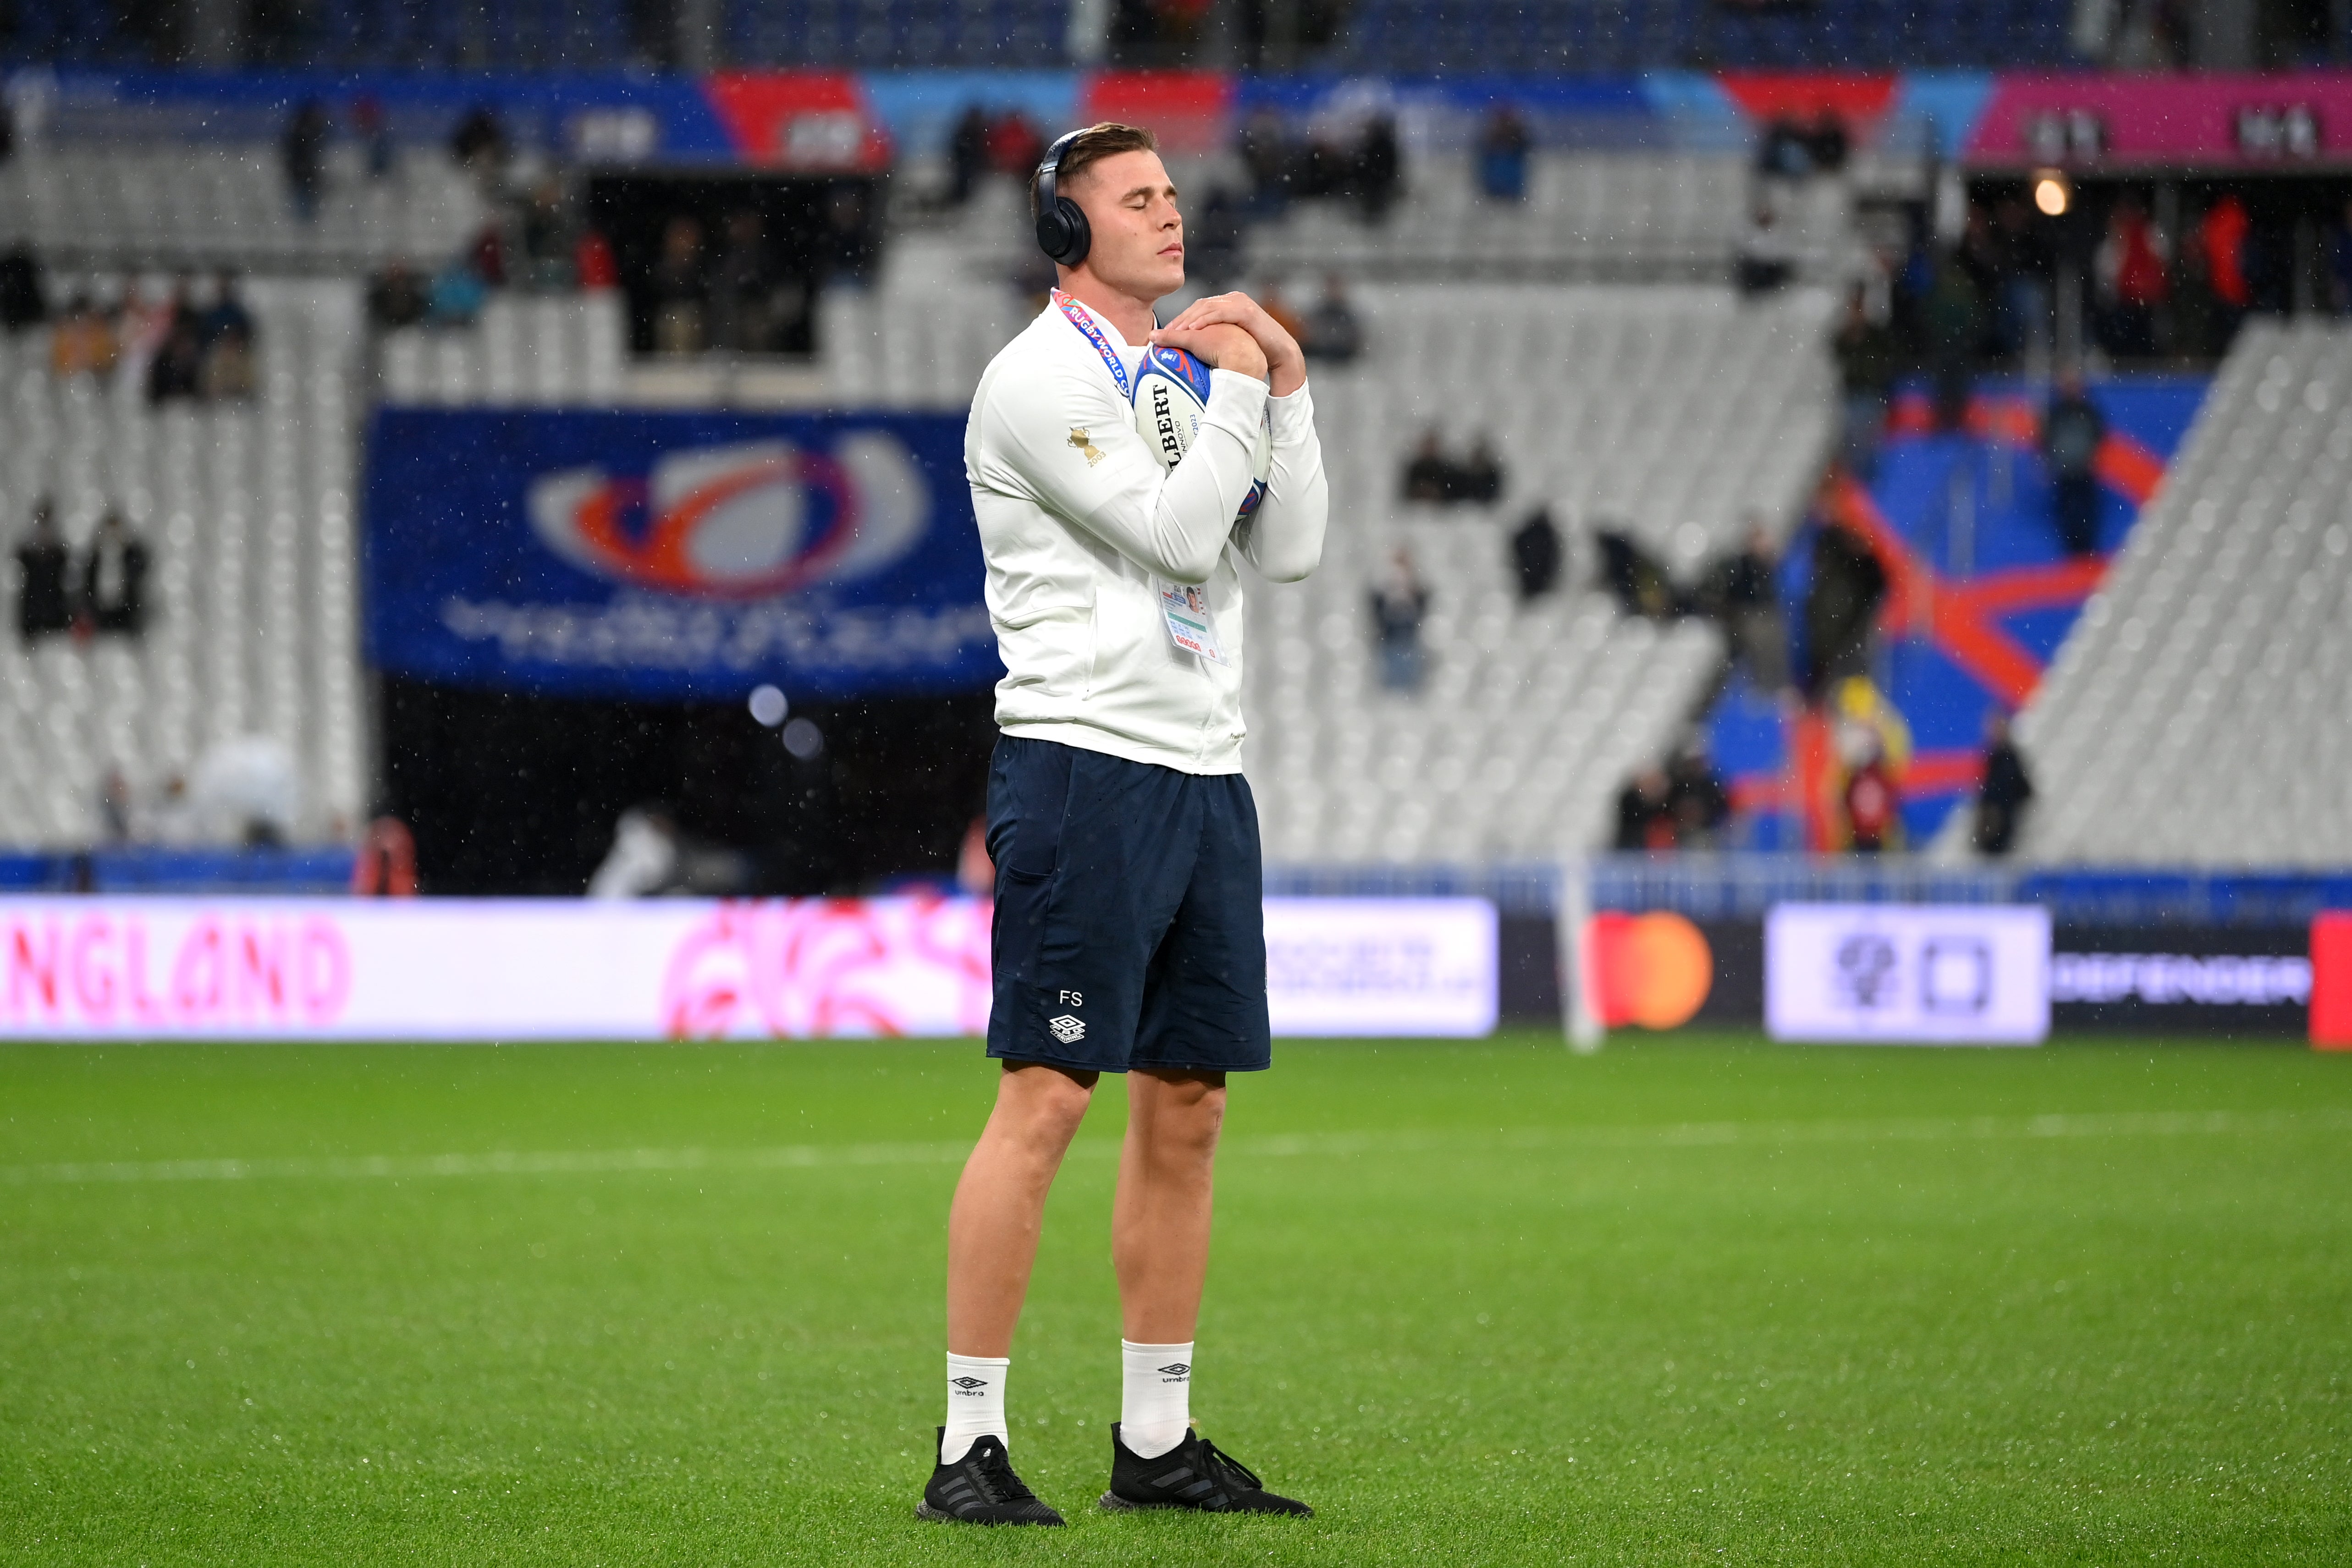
[[1177, 1369], [968, 1384], [1067, 1029]]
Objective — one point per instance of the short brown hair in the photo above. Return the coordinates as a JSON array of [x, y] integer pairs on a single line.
[[1090, 147]]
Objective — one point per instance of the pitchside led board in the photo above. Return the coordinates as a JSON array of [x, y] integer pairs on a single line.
[[1907, 974], [341, 969]]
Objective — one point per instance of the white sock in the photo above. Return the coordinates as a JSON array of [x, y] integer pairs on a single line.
[[1155, 1400], [975, 1403]]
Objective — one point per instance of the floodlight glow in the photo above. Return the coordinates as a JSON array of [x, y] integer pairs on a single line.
[[2050, 195]]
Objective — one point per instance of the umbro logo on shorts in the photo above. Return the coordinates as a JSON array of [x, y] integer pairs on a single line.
[[1177, 1369], [968, 1384], [1067, 1029]]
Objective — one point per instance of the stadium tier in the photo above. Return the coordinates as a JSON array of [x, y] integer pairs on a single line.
[[1583, 37], [535, 349], [227, 206], [246, 506], [2196, 715], [1673, 414]]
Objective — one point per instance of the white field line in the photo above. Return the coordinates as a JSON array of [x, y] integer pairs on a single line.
[[807, 1156]]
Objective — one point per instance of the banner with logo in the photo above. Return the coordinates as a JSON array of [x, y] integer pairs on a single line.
[[2173, 980], [1963, 974], [668, 555], [495, 969]]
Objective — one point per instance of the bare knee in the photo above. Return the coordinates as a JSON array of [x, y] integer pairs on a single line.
[[1181, 1115], [1044, 1105]]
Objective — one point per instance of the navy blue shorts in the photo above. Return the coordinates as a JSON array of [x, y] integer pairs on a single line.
[[1130, 926]]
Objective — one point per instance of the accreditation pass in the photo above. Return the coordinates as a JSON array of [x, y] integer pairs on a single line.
[[1186, 610]]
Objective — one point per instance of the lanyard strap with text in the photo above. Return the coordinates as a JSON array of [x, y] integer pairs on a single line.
[[1084, 323]]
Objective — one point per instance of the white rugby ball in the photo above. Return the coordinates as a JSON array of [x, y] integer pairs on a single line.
[[1171, 393]]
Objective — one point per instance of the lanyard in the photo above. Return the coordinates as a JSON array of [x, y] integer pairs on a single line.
[[1084, 323]]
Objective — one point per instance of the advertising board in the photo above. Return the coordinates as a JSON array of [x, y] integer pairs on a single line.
[[2252, 981], [1907, 974], [332, 968]]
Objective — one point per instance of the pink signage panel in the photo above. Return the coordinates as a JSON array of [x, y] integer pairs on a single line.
[[2246, 122]]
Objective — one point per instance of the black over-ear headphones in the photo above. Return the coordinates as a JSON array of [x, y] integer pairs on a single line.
[[1062, 230]]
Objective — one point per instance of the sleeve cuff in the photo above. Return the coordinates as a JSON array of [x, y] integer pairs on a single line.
[[1292, 417]]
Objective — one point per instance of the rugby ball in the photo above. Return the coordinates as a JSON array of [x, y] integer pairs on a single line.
[[1171, 393]]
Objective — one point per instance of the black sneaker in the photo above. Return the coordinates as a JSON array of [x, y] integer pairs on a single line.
[[1194, 1474], [980, 1488]]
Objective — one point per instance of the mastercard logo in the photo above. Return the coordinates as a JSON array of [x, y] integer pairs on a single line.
[[1653, 970]]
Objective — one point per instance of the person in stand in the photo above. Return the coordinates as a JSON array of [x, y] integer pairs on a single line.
[[1479, 480], [1697, 805], [2005, 792], [1840, 605], [967, 156], [43, 605], [1502, 148], [1645, 815], [1130, 933], [1751, 612], [303, 156], [1536, 555], [2072, 433], [681, 293], [1399, 604], [1871, 805], [1334, 332], [111, 588], [1866, 350], [1378, 168], [1431, 476]]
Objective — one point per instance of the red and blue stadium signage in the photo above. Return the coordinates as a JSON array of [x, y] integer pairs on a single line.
[[674, 555]]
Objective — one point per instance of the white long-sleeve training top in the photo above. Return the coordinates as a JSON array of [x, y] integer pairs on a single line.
[[1082, 529]]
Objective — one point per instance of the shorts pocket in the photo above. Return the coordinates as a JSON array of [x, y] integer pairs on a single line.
[[1040, 802]]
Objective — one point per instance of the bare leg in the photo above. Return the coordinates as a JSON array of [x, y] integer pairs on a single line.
[[1160, 1221], [1000, 1203]]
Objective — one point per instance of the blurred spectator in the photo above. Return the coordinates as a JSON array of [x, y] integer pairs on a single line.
[[678, 293], [398, 297], [1765, 261], [2022, 309], [458, 294], [2072, 432], [114, 806], [741, 286], [1827, 141], [1334, 332], [1645, 812], [1633, 577], [1873, 824], [246, 791], [2221, 238], [1782, 151], [83, 342], [145, 322], [480, 143], [1430, 476], [2002, 797], [967, 156], [303, 154], [1379, 168], [225, 334], [1502, 148], [225, 315], [1840, 605], [1866, 353], [1214, 240], [1953, 319], [547, 243], [849, 235], [1014, 146], [1697, 805], [177, 370], [2132, 267], [43, 606], [1751, 612], [111, 591], [1266, 153], [1400, 602], [23, 295], [594, 265], [644, 859], [1536, 555], [1479, 480], [373, 128]]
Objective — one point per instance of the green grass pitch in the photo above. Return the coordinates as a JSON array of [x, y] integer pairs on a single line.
[[1705, 1300]]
